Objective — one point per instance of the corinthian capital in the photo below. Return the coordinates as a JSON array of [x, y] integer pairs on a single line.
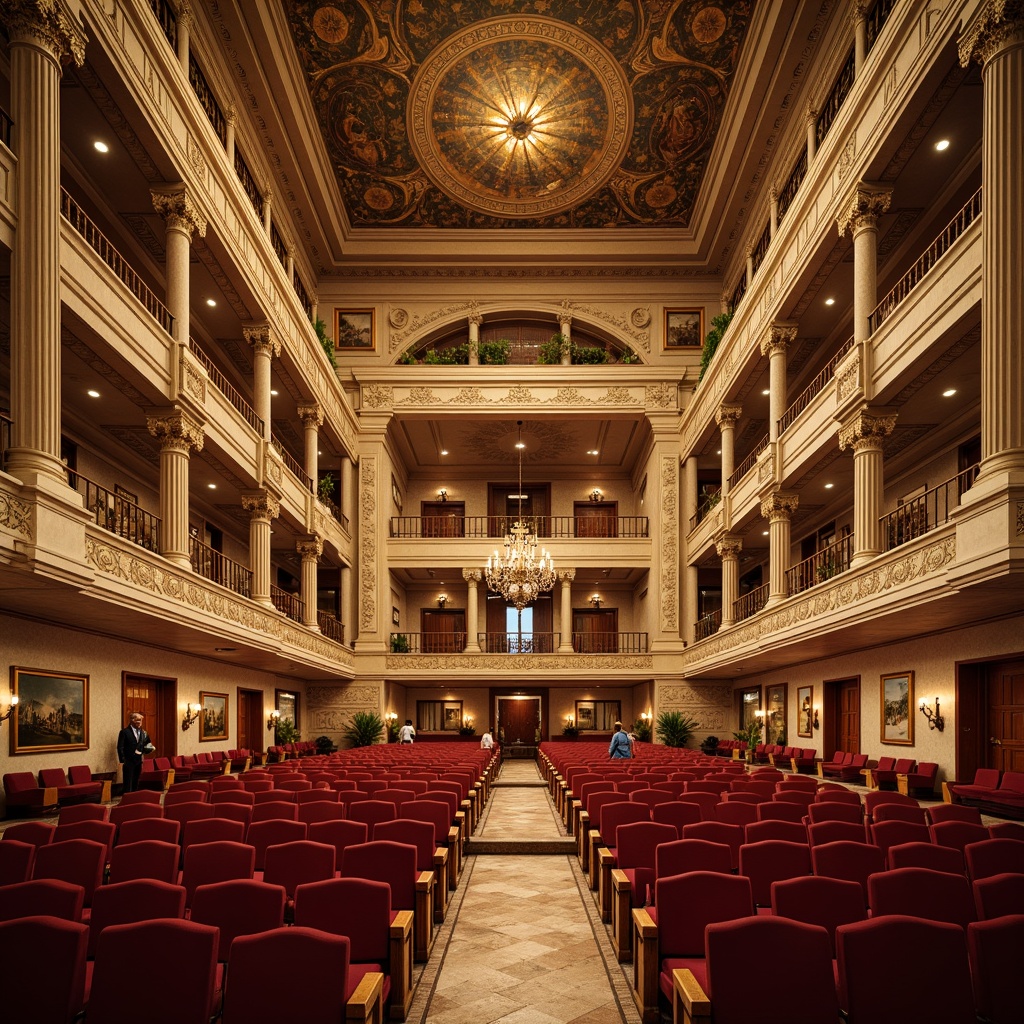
[[865, 205], [779, 336], [262, 339], [176, 432], [178, 209], [779, 506], [311, 415], [729, 546], [867, 430], [728, 415], [48, 24], [566, 575], [309, 547], [261, 505], [472, 575], [998, 24]]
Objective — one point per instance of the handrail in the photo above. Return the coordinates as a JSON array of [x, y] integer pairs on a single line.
[[741, 290], [207, 100], [289, 604], [99, 243], [761, 247], [707, 625], [558, 527], [6, 128], [913, 277], [249, 186], [609, 643], [336, 512], [218, 568], [168, 20], [828, 371], [519, 643], [277, 244], [292, 463], [704, 507], [793, 183], [837, 94], [748, 463], [427, 643], [877, 17], [821, 566], [301, 293], [226, 388], [928, 510], [750, 603], [117, 513], [331, 627]]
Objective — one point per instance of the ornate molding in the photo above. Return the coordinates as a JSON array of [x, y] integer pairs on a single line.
[[311, 415], [378, 396], [178, 432], [779, 506], [669, 556], [867, 202], [310, 547], [261, 506], [15, 514], [999, 24], [779, 336], [866, 431], [566, 575], [262, 338], [472, 575], [729, 547], [520, 663], [728, 415], [48, 24], [368, 543], [178, 210]]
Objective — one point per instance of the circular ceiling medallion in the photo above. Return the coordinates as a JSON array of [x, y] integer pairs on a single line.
[[520, 117]]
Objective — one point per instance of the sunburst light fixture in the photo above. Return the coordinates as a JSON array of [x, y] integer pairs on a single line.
[[517, 573]]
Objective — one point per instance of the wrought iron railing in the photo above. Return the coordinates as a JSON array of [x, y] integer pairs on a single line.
[[331, 627], [748, 463], [793, 183], [821, 566], [913, 277], [277, 242], [219, 568], [877, 17], [249, 186], [6, 429], [168, 20], [292, 463], [837, 94], [226, 388], [300, 291], [705, 505], [428, 643], [741, 290], [609, 643], [6, 128], [118, 514], [288, 604], [336, 512], [750, 603], [206, 99], [707, 625], [926, 511], [519, 643], [98, 242], [558, 527], [761, 247], [826, 374]]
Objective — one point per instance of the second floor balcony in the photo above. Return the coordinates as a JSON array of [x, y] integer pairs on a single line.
[[557, 527], [519, 643]]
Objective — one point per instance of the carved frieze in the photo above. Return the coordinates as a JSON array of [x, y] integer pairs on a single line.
[[520, 663], [669, 602], [368, 543], [15, 514]]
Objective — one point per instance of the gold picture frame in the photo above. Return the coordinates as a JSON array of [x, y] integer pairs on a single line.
[[684, 327], [52, 712], [355, 329], [896, 703]]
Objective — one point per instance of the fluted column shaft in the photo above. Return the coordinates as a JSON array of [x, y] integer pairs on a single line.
[[184, 27], [565, 329], [566, 576], [729, 551], [811, 124], [349, 617], [472, 578], [726, 418], [779, 337], [262, 508], [310, 548], [178, 435], [475, 320], [264, 346], [40, 37], [778, 509], [181, 218], [312, 417], [866, 434], [859, 17], [860, 214]]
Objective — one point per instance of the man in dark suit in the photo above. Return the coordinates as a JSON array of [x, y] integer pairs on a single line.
[[132, 741]]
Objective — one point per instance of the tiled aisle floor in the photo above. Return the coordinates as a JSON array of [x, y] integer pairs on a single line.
[[522, 942]]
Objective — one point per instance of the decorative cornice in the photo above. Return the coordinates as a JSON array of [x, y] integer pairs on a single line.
[[867, 202], [866, 431], [48, 24], [519, 663], [997, 25], [177, 432], [779, 336], [263, 339], [178, 210]]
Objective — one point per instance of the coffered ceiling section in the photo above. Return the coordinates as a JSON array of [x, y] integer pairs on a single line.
[[510, 113]]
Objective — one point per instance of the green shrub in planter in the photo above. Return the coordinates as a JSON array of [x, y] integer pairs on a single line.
[[675, 728], [495, 353], [588, 355], [365, 729]]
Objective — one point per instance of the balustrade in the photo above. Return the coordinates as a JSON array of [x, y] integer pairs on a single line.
[[331, 627], [750, 603], [219, 568], [821, 566], [926, 511], [812, 389], [707, 625], [225, 387], [748, 463], [293, 464], [289, 604], [559, 527], [117, 513]]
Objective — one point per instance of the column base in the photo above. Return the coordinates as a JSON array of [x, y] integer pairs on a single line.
[[565, 649], [179, 559]]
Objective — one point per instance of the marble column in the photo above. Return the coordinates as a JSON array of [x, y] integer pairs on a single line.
[[348, 616], [43, 35], [859, 20], [230, 121], [472, 578], [348, 491], [726, 418], [565, 577], [310, 548], [773, 211], [995, 38], [184, 30], [182, 218], [264, 347], [749, 251], [865, 433], [262, 507], [729, 548], [778, 509], [312, 417], [565, 329], [178, 435], [860, 215], [475, 320], [689, 570], [289, 263], [780, 336]]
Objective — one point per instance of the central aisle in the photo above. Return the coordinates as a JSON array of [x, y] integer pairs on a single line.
[[523, 942]]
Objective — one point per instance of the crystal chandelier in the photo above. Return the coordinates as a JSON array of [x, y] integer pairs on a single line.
[[517, 573]]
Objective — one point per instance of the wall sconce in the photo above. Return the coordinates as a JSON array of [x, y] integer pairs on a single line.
[[442, 495], [10, 708], [569, 720], [645, 716], [595, 494], [467, 720], [273, 718], [935, 720], [442, 600], [815, 720], [596, 600], [190, 716]]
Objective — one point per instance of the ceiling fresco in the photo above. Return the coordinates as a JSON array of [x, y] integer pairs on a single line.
[[519, 113]]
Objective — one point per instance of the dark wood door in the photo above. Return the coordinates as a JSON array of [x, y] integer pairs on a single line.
[[595, 630], [443, 631], [845, 703], [519, 718], [504, 507], [596, 518], [156, 699], [1006, 716], [443, 518], [251, 720]]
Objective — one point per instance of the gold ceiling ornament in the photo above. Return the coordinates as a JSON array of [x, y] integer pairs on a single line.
[[517, 573]]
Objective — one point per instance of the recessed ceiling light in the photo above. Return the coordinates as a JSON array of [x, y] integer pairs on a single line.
[[228, 650], [212, 487], [273, 392], [93, 394], [830, 301], [211, 302], [593, 451], [764, 533], [949, 393], [719, 452], [828, 487], [444, 451], [519, 444], [100, 146], [766, 391], [942, 145]]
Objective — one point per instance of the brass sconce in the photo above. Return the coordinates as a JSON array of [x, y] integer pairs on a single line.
[[273, 718], [595, 494], [442, 495], [596, 600], [935, 719], [190, 716], [815, 722], [10, 708], [442, 600]]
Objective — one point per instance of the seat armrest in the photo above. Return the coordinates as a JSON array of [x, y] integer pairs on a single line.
[[423, 922], [400, 960], [622, 933], [690, 997], [367, 1002], [645, 966]]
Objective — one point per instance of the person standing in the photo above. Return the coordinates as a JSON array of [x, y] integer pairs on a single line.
[[619, 746], [487, 740], [407, 733], [132, 742]]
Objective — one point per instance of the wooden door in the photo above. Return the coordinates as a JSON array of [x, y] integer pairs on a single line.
[[156, 699], [443, 518], [596, 518], [595, 630], [843, 697], [504, 507], [251, 720], [519, 717], [1006, 716], [443, 631]]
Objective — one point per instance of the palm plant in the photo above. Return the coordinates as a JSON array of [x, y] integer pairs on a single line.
[[675, 728], [365, 729]]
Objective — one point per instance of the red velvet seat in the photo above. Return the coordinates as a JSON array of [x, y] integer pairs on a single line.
[[44, 959], [925, 855], [372, 811], [132, 812], [953, 812], [140, 899], [718, 832], [788, 831], [957, 834], [429, 855], [772, 860], [145, 859], [998, 895], [777, 810], [817, 899], [206, 863], [877, 798], [854, 862], [68, 790], [291, 864], [211, 830], [164, 830], [139, 796], [682, 855], [238, 906], [899, 812], [339, 834], [22, 791], [993, 857], [261, 834], [51, 897], [922, 781], [274, 810], [892, 833], [994, 948], [78, 861], [919, 892], [832, 831], [736, 813], [16, 861], [82, 812], [832, 810], [677, 813]]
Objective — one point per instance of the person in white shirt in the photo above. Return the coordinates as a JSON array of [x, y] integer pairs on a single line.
[[487, 740], [407, 732]]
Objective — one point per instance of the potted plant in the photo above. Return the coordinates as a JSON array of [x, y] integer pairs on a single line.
[[326, 343], [467, 730], [709, 746], [675, 728], [751, 736], [365, 729], [642, 730], [570, 731], [399, 643], [325, 745], [711, 340], [551, 352], [495, 353], [285, 731]]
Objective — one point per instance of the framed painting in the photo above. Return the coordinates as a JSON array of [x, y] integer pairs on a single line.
[[396, 617], [584, 714], [805, 711], [684, 328], [52, 711], [213, 722], [775, 725], [354, 329], [452, 716], [897, 703]]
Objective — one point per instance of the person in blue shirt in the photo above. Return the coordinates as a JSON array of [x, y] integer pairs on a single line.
[[619, 746]]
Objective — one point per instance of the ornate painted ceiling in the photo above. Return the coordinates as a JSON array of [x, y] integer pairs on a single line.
[[519, 113]]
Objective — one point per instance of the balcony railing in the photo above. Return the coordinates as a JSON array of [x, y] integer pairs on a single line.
[[226, 388], [428, 643], [928, 510], [118, 514], [741, 290], [913, 277], [704, 506], [793, 183], [331, 627], [300, 291], [821, 566], [609, 643], [750, 603], [707, 625], [6, 128], [518, 643], [293, 464], [816, 385], [748, 463], [206, 99], [761, 247], [277, 243], [249, 186], [6, 427], [168, 20], [877, 17], [336, 512], [838, 93], [97, 241], [288, 604], [558, 527], [219, 568]]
